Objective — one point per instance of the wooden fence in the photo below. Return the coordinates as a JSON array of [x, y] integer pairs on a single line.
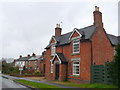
[[99, 74]]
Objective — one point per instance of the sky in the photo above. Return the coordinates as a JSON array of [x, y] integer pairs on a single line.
[[27, 27], [119, 18]]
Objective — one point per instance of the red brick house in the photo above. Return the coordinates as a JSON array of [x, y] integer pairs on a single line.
[[30, 63], [69, 56], [33, 62]]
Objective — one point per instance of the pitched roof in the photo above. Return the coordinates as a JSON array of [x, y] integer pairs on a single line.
[[35, 57], [64, 38], [24, 58], [87, 32], [119, 39], [60, 57], [114, 39]]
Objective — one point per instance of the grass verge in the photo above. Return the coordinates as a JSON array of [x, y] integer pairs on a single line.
[[35, 84], [42, 85], [96, 85]]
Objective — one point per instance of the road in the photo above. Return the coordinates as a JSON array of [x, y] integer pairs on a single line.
[[8, 83]]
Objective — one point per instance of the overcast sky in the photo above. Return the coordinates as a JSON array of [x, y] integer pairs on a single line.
[[27, 27]]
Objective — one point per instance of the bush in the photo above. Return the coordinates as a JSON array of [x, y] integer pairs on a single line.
[[37, 72], [115, 67], [8, 69]]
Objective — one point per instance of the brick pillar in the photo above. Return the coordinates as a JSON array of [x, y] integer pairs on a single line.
[[62, 76]]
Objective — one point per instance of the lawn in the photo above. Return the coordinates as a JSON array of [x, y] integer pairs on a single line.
[[35, 84], [42, 85], [96, 85]]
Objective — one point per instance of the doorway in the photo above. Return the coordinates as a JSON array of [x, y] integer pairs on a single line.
[[57, 72]]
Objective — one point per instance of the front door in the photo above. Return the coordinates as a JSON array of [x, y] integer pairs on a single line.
[[57, 72]]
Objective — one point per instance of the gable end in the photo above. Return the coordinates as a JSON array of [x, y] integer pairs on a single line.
[[75, 33]]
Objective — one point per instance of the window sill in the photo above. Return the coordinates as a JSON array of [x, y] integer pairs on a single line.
[[76, 75], [75, 53], [52, 55]]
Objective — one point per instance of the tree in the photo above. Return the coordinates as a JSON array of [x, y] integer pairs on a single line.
[[115, 67], [7, 68]]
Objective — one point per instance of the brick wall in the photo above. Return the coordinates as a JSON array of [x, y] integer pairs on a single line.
[[102, 48]]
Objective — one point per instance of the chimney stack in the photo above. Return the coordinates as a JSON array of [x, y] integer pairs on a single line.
[[28, 55], [20, 56], [33, 54], [97, 17], [58, 30]]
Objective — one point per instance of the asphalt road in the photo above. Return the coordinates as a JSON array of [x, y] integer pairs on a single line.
[[10, 84]]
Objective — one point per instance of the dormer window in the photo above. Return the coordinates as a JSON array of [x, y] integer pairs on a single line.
[[53, 49], [76, 46]]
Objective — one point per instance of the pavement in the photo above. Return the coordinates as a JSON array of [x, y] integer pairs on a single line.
[[49, 83]]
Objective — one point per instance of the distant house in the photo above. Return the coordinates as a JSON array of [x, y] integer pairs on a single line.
[[20, 62], [33, 62], [29, 62], [69, 56]]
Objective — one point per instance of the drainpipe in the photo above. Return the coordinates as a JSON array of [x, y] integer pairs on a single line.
[[91, 52], [66, 71], [62, 49], [91, 61]]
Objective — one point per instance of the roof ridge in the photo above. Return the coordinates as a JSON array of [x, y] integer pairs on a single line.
[[86, 27], [77, 29]]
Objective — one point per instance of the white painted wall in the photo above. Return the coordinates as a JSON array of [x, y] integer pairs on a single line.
[[20, 63]]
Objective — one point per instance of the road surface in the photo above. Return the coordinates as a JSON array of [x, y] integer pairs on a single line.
[[7, 84]]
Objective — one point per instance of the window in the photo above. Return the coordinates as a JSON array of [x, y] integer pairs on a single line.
[[114, 51], [76, 46], [51, 71], [30, 67], [29, 62], [35, 62], [53, 49], [76, 66]]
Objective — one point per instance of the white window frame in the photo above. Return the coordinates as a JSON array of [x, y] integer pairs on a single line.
[[75, 42], [29, 62], [75, 66], [35, 62], [53, 49], [51, 68]]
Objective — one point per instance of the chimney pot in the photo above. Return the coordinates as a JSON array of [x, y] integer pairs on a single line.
[[33, 54], [20, 56], [97, 17], [28, 55], [96, 8], [58, 30]]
